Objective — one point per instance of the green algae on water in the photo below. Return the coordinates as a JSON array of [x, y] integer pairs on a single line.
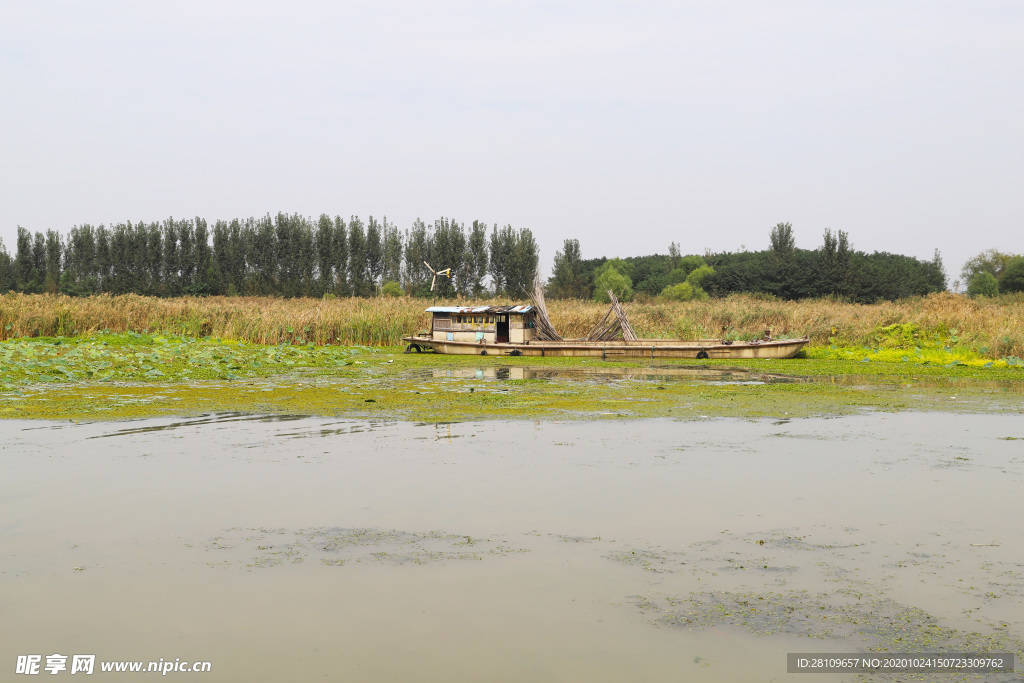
[[106, 377]]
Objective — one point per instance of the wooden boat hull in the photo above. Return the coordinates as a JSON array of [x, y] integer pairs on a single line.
[[643, 348]]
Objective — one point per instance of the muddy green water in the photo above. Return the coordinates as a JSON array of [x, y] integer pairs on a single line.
[[301, 548]]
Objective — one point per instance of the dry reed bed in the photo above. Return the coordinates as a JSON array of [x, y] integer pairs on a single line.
[[994, 323], [997, 324], [254, 319]]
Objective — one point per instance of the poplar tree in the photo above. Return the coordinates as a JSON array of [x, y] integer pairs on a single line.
[[204, 272], [79, 275], [171, 280], [25, 274], [235, 258], [119, 259], [675, 257], [324, 247], [54, 253], [339, 258], [448, 250], [38, 262], [501, 245], [6, 270], [248, 248], [834, 263], [103, 266], [522, 268], [264, 256], [392, 239], [374, 254], [154, 258], [476, 258], [187, 255], [305, 257], [417, 250], [358, 274], [286, 247], [221, 276], [139, 280], [567, 281], [783, 244]]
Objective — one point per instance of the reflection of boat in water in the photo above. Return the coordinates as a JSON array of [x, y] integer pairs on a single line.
[[512, 331], [714, 375]]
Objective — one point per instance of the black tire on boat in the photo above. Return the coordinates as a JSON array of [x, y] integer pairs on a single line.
[[413, 347], [702, 354], [484, 352], [515, 352]]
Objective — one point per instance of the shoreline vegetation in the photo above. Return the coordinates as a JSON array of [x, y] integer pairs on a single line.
[[933, 327], [125, 357]]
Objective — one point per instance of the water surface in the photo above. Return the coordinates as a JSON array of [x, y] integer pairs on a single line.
[[296, 548]]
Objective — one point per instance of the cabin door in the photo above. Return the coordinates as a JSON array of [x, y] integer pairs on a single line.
[[501, 323]]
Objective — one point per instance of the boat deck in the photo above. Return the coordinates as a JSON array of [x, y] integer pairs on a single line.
[[642, 348]]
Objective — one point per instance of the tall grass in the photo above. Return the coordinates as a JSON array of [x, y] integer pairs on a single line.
[[259, 320], [994, 327]]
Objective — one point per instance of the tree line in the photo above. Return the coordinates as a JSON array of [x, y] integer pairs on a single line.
[[782, 270], [284, 255], [291, 255]]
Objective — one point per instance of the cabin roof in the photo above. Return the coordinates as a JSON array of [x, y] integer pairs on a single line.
[[479, 309]]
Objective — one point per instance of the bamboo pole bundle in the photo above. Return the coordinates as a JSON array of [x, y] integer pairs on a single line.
[[545, 330], [609, 328], [627, 330], [605, 330]]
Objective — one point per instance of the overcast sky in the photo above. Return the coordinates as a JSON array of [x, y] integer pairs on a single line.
[[627, 125]]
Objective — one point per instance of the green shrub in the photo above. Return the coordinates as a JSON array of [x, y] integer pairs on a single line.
[[983, 284], [696, 278], [678, 275], [680, 292], [610, 278]]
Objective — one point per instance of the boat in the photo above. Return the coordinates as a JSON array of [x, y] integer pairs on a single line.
[[513, 331]]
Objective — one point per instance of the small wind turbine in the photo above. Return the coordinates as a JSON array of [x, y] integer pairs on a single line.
[[447, 272]]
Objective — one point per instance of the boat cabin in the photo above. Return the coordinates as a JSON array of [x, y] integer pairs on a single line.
[[483, 324]]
